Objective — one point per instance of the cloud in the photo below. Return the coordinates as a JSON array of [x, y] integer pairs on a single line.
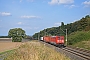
[[61, 2], [5, 14], [19, 23], [71, 6], [86, 3], [28, 17]]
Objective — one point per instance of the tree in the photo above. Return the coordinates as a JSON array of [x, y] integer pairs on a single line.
[[87, 16], [62, 23], [17, 34]]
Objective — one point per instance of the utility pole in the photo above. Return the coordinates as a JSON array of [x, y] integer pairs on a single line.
[[66, 36]]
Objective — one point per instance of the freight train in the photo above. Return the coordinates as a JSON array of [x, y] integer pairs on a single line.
[[55, 40]]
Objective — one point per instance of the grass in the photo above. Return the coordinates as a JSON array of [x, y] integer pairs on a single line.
[[35, 51], [83, 44], [80, 39], [6, 53]]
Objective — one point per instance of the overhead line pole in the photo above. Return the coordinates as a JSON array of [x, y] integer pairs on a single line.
[[66, 36]]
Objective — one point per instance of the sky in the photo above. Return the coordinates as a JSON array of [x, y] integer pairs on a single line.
[[36, 15]]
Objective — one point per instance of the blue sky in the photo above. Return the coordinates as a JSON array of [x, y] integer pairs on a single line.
[[35, 15]]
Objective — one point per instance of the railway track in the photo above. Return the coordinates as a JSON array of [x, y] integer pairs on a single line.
[[72, 52], [84, 54]]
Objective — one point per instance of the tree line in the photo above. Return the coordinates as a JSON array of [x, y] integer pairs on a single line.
[[81, 25]]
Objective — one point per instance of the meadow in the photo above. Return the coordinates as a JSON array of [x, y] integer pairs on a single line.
[[35, 50]]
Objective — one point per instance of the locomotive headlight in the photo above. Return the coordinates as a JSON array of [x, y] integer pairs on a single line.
[[63, 41], [57, 40]]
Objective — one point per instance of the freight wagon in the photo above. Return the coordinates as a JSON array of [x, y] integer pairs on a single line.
[[55, 40]]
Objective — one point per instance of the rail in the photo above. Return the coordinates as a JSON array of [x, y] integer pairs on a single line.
[[85, 54]]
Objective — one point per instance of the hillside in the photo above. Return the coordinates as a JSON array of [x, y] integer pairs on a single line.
[[78, 32], [80, 39]]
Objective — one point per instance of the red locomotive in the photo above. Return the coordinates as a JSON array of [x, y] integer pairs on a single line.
[[56, 40]]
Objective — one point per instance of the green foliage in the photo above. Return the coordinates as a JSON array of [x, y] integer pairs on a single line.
[[50, 32], [35, 36], [17, 34], [4, 37], [78, 36], [81, 25]]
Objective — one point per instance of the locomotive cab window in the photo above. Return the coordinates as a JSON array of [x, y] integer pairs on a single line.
[[59, 38]]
